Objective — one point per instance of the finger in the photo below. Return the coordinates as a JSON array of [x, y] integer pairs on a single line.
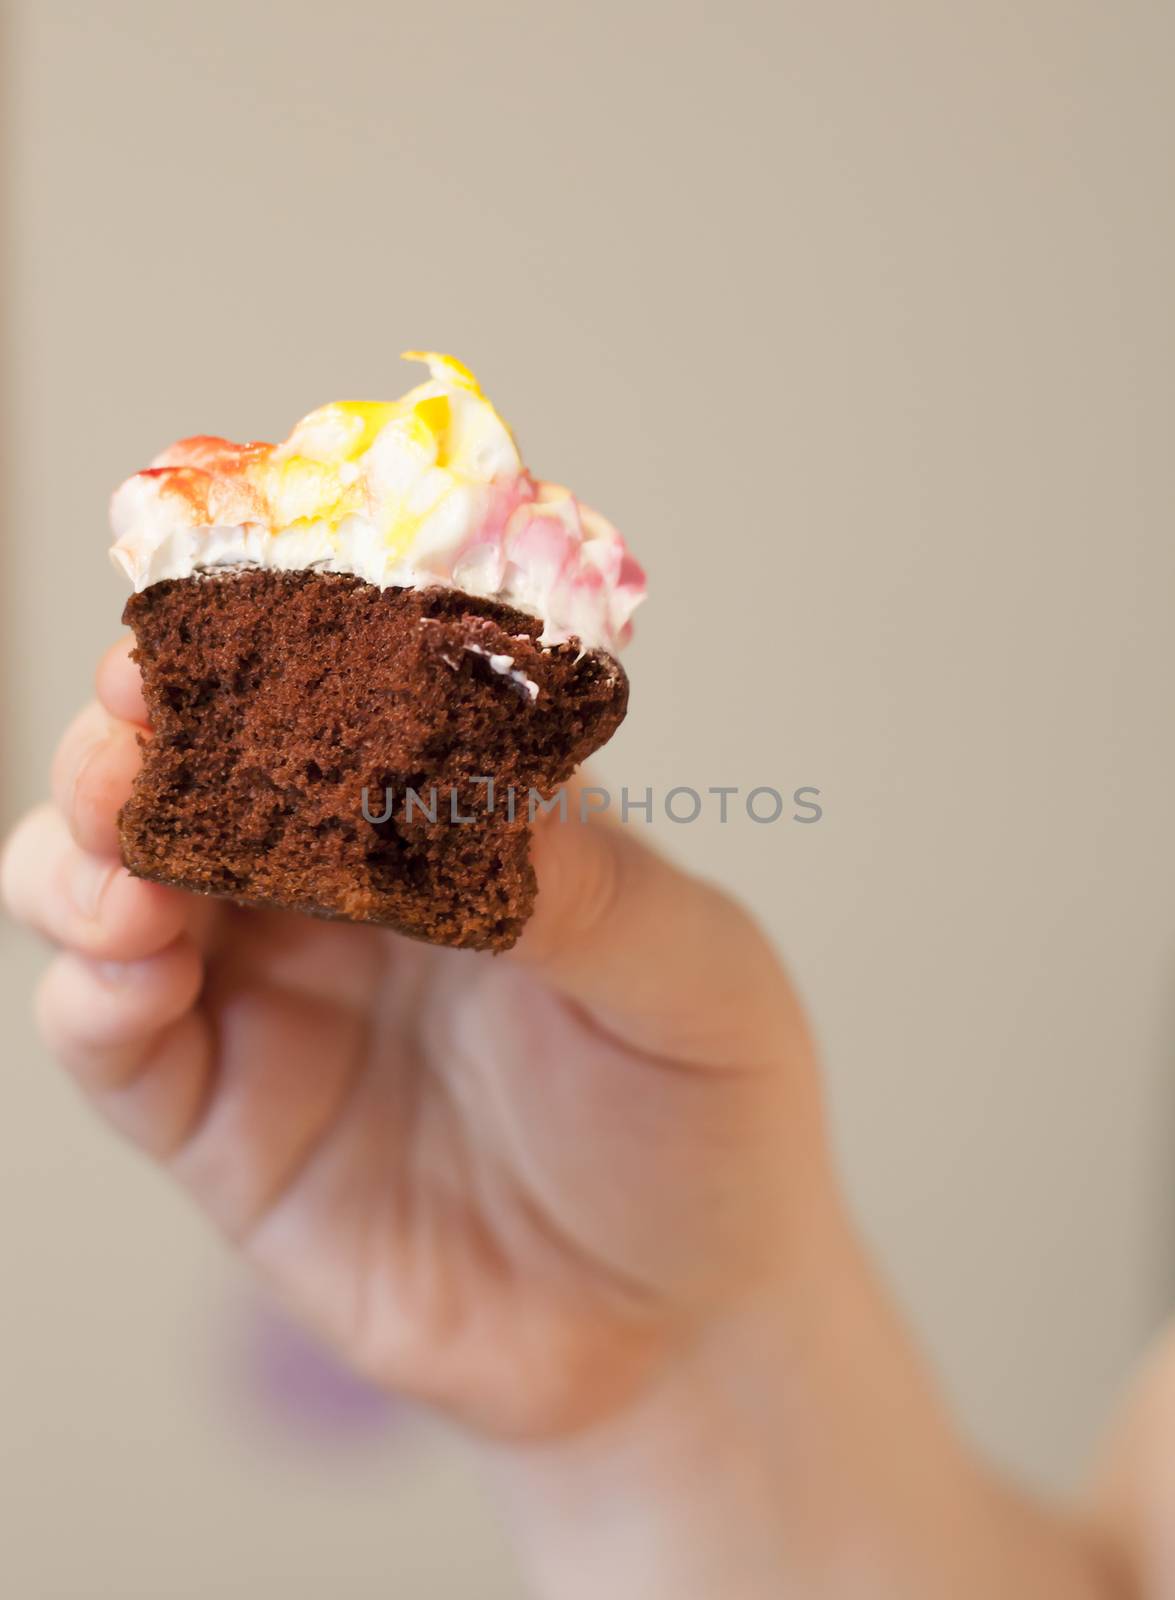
[[98, 1016], [664, 960], [135, 1041], [159, 1100], [287, 1064], [119, 684], [88, 903], [93, 770]]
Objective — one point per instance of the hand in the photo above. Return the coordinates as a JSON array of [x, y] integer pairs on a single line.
[[515, 1187], [577, 1195]]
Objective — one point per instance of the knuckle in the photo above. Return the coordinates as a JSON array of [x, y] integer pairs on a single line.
[[46, 1011], [8, 868], [88, 728], [18, 853]]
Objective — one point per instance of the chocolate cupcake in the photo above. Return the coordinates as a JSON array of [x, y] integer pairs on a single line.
[[369, 655]]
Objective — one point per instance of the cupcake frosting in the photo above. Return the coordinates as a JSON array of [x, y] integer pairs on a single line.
[[428, 489]]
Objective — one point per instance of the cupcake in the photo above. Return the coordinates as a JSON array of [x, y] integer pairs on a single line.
[[370, 655]]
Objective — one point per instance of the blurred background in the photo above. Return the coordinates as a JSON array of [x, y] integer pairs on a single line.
[[856, 319]]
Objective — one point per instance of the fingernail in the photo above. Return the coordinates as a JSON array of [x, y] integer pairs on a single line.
[[88, 878]]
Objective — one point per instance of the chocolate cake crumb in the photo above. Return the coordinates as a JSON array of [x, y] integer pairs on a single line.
[[277, 699]]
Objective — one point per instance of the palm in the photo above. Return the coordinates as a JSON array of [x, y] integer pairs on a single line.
[[449, 1170]]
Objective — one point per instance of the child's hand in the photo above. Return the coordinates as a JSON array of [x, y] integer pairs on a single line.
[[513, 1186], [577, 1195]]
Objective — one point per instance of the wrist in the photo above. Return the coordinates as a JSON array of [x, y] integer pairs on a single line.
[[681, 1493], [795, 1447], [665, 1498]]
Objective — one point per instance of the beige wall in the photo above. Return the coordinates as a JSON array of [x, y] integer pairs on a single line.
[[856, 317]]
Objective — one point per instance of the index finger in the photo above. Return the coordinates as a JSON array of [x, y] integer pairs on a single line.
[[119, 685]]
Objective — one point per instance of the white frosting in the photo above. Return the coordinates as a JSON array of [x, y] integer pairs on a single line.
[[505, 666], [426, 490]]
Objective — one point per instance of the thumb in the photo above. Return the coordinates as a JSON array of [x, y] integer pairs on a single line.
[[660, 958]]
